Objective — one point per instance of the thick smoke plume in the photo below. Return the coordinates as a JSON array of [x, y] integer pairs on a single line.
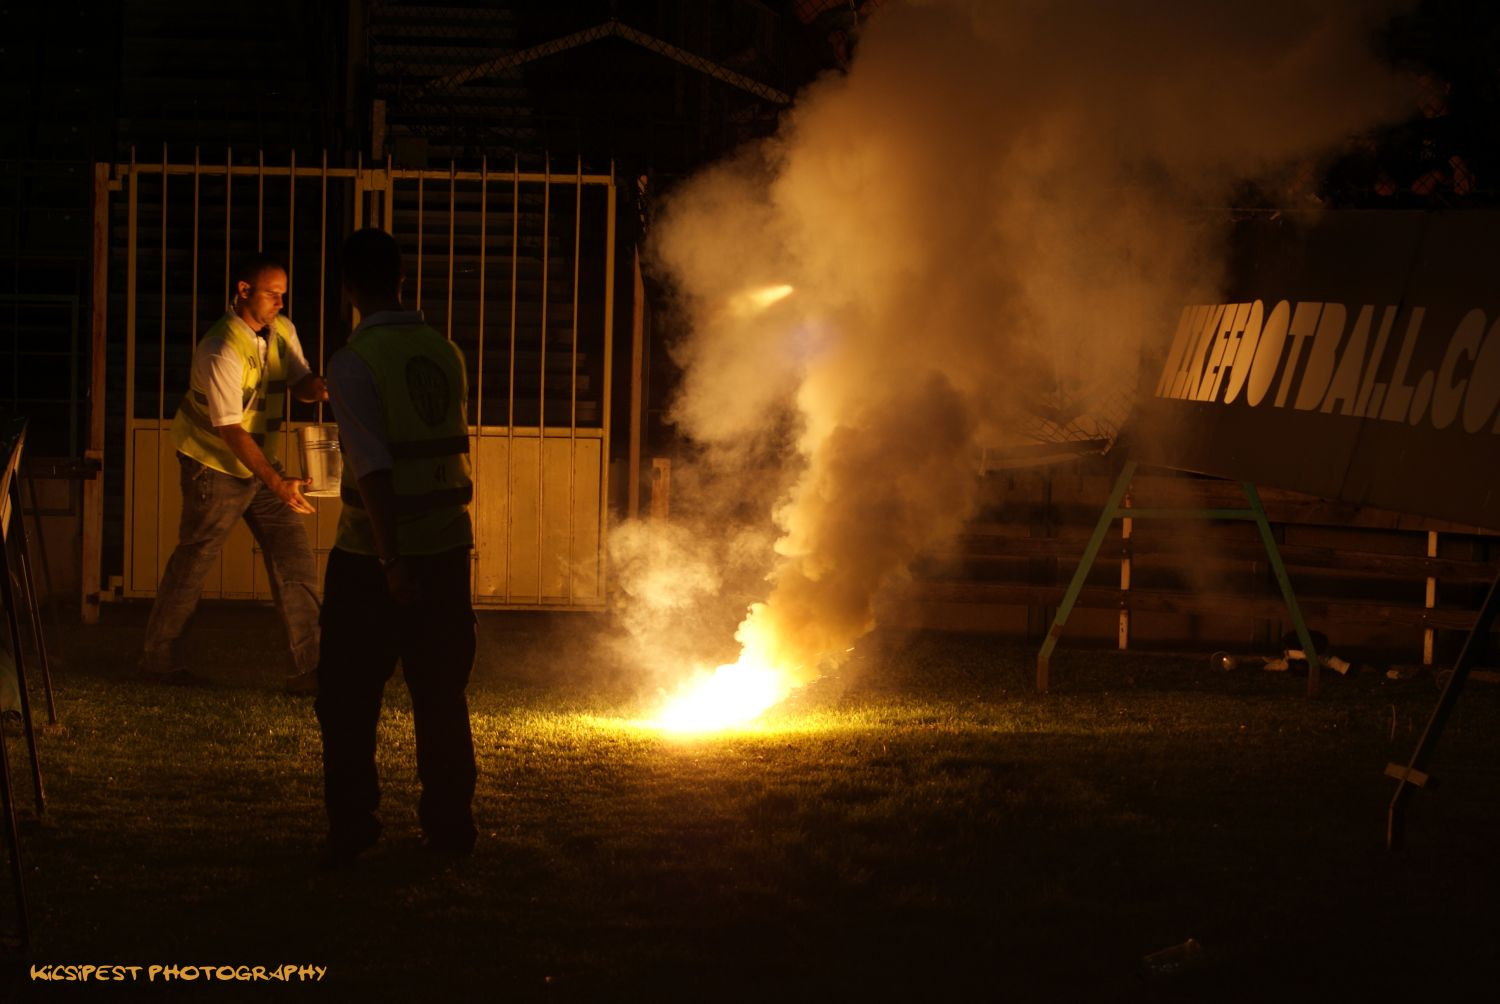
[[991, 214]]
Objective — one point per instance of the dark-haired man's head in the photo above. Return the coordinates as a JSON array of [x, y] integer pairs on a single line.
[[373, 270], [259, 283]]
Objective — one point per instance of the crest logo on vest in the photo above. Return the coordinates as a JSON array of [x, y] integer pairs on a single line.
[[427, 386]]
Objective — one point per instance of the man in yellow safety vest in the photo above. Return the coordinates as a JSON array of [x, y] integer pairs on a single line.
[[397, 584], [226, 432]]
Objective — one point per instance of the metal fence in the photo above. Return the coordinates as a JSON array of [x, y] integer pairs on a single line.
[[515, 267]]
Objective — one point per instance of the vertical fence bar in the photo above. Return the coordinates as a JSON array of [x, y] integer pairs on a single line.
[[510, 383], [322, 270], [359, 192], [192, 332], [484, 193], [161, 348], [577, 249], [132, 222], [92, 544], [637, 364], [452, 203], [388, 213], [421, 205], [72, 430], [15, 305], [260, 200], [541, 395], [229, 289], [359, 219], [573, 389], [609, 358], [161, 363], [291, 227], [484, 190], [291, 262], [1428, 634], [228, 207]]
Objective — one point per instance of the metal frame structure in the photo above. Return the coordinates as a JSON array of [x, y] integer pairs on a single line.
[[1414, 775], [612, 28], [13, 532], [1117, 507], [540, 466]]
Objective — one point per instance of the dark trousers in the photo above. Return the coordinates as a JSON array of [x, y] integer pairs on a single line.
[[364, 633], [212, 502]]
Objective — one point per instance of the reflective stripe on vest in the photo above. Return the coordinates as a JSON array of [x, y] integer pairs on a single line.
[[263, 395], [414, 505], [421, 449]]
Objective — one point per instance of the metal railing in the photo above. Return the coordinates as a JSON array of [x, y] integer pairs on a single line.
[[515, 267]]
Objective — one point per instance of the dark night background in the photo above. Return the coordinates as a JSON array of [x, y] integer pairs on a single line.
[[91, 82], [102, 82]]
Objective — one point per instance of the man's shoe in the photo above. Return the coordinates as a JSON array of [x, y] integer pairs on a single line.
[[451, 845], [303, 684], [336, 857], [172, 676], [342, 850]]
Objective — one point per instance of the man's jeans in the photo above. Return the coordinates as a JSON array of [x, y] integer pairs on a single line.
[[434, 640], [211, 503]]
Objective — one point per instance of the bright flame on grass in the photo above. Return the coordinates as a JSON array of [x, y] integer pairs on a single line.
[[735, 694]]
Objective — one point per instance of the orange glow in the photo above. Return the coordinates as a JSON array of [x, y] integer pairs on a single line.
[[754, 301], [733, 695]]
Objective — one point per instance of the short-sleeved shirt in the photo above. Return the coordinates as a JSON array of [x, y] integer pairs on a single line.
[[356, 401], [219, 368]]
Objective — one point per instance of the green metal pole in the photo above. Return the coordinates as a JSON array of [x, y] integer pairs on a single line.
[[1274, 554], [1111, 511]]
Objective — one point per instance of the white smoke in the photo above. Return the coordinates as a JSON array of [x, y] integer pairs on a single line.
[[993, 209]]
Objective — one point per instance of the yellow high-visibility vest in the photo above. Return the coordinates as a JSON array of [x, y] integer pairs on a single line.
[[263, 396], [421, 380]]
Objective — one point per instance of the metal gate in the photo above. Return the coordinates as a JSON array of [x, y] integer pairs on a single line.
[[516, 267]]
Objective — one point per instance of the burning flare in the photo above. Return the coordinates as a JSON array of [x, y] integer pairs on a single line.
[[734, 694]]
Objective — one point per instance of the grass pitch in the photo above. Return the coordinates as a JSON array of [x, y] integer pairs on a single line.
[[920, 827]]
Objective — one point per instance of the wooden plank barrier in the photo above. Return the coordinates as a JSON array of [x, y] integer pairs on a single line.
[[1361, 573]]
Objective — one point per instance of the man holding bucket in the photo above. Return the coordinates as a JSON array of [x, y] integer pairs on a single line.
[[225, 432], [397, 585]]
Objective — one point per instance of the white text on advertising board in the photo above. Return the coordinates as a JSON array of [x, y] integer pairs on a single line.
[[1315, 356]]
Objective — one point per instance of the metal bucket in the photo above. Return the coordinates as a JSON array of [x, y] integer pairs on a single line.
[[321, 459]]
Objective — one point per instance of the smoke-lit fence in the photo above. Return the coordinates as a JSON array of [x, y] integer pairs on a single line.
[[515, 267], [1395, 586]]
